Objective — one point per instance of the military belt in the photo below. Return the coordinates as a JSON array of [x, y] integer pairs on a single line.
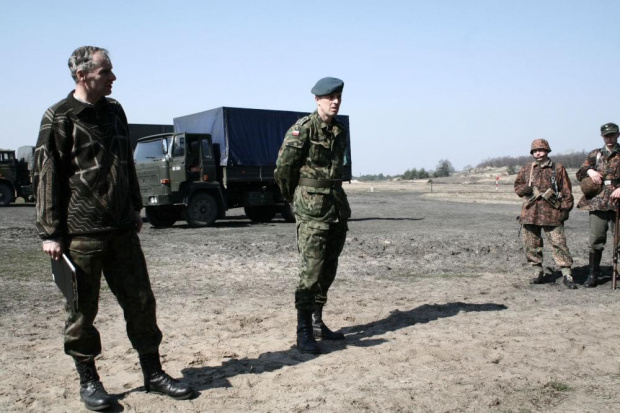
[[320, 183], [609, 182]]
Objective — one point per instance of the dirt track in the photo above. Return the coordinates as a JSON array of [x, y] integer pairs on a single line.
[[432, 295]]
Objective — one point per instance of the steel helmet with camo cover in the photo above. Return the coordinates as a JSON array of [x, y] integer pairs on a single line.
[[589, 188], [540, 144]]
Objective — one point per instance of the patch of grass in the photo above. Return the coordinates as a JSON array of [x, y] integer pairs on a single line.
[[558, 386], [25, 264], [441, 275]]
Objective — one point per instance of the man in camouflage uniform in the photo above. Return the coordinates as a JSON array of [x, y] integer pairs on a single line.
[[88, 207], [309, 172], [546, 189], [602, 167]]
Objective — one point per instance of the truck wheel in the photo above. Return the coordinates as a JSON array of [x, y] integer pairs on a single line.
[[6, 195], [161, 217], [262, 213], [202, 210], [287, 212]]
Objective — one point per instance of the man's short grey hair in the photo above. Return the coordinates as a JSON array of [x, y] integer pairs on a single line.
[[82, 59]]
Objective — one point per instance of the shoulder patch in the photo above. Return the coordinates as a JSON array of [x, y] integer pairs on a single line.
[[303, 120]]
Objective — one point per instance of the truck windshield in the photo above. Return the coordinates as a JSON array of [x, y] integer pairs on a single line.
[[151, 150]]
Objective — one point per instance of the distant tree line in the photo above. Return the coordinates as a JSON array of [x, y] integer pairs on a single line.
[[444, 168], [569, 160], [512, 163]]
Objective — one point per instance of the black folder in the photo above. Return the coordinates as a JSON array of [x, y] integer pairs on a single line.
[[65, 277]]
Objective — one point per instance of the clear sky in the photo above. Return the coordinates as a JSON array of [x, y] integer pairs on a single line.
[[425, 80]]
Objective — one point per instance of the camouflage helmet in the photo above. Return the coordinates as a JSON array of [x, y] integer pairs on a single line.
[[589, 188], [540, 144], [609, 128]]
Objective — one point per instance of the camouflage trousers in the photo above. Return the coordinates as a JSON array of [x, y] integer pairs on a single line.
[[533, 244], [600, 222], [319, 247], [118, 255]]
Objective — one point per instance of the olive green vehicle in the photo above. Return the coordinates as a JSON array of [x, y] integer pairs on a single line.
[[181, 178], [15, 175]]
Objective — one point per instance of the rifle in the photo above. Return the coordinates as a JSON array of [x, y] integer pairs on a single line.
[[614, 275]]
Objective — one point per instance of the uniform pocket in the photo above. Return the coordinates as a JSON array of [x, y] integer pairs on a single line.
[[320, 152], [312, 202]]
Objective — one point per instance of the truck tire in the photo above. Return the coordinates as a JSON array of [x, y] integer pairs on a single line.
[[6, 195], [287, 212], [202, 210], [261, 213], [162, 216]]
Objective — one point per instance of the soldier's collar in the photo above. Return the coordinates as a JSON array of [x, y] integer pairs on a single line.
[[607, 152], [545, 164]]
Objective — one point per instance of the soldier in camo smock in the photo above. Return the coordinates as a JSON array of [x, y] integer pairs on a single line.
[[88, 207], [547, 196], [309, 172], [601, 169]]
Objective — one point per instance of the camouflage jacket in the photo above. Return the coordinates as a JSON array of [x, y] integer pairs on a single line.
[[608, 165], [84, 175], [536, 210], [313, 149]]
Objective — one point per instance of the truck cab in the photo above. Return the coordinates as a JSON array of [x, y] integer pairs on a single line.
[[15, 175], [177, 171], [180, 178]]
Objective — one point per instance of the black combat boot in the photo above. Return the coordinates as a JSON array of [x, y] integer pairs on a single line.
[[320, 329], [157, 381], [305, 338], [569, 282], [92, 392], [539, 275], [595, 269]]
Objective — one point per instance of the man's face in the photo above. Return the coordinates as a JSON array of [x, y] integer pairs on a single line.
[[539, 154], [610, 140], [98, 81], [329, 105]]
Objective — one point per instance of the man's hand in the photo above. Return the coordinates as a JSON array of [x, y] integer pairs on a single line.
[[597, 178], [615, 194], [53, 249], [526, 191], [138, 221]]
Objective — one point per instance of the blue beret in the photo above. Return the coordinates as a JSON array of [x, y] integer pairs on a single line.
[[327, 86]]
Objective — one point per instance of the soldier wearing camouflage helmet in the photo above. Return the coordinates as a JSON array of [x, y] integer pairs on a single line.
[[600, 178], [547, 196], [309, 172]]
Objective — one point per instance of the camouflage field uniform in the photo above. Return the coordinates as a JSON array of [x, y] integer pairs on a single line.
[[601, 207], [540, 215], [87, 195], [309, 172]]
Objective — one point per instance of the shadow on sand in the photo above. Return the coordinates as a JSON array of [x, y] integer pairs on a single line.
[[203, 378]]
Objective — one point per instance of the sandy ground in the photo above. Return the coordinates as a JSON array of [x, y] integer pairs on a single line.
[[432, 294]]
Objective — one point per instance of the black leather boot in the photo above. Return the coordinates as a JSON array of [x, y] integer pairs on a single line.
[[157, 381], [305, 338], [569, 282], [92, 392], [539, 275], [595, 269], [320, 329]]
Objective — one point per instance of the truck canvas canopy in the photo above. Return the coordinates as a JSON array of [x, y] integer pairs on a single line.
[[250, 137]]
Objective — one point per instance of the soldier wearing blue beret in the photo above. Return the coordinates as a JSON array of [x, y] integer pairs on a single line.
[[309, 172], [327, 86]]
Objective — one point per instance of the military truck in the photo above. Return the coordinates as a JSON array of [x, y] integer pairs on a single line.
[[15, 174], [216, 160]]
